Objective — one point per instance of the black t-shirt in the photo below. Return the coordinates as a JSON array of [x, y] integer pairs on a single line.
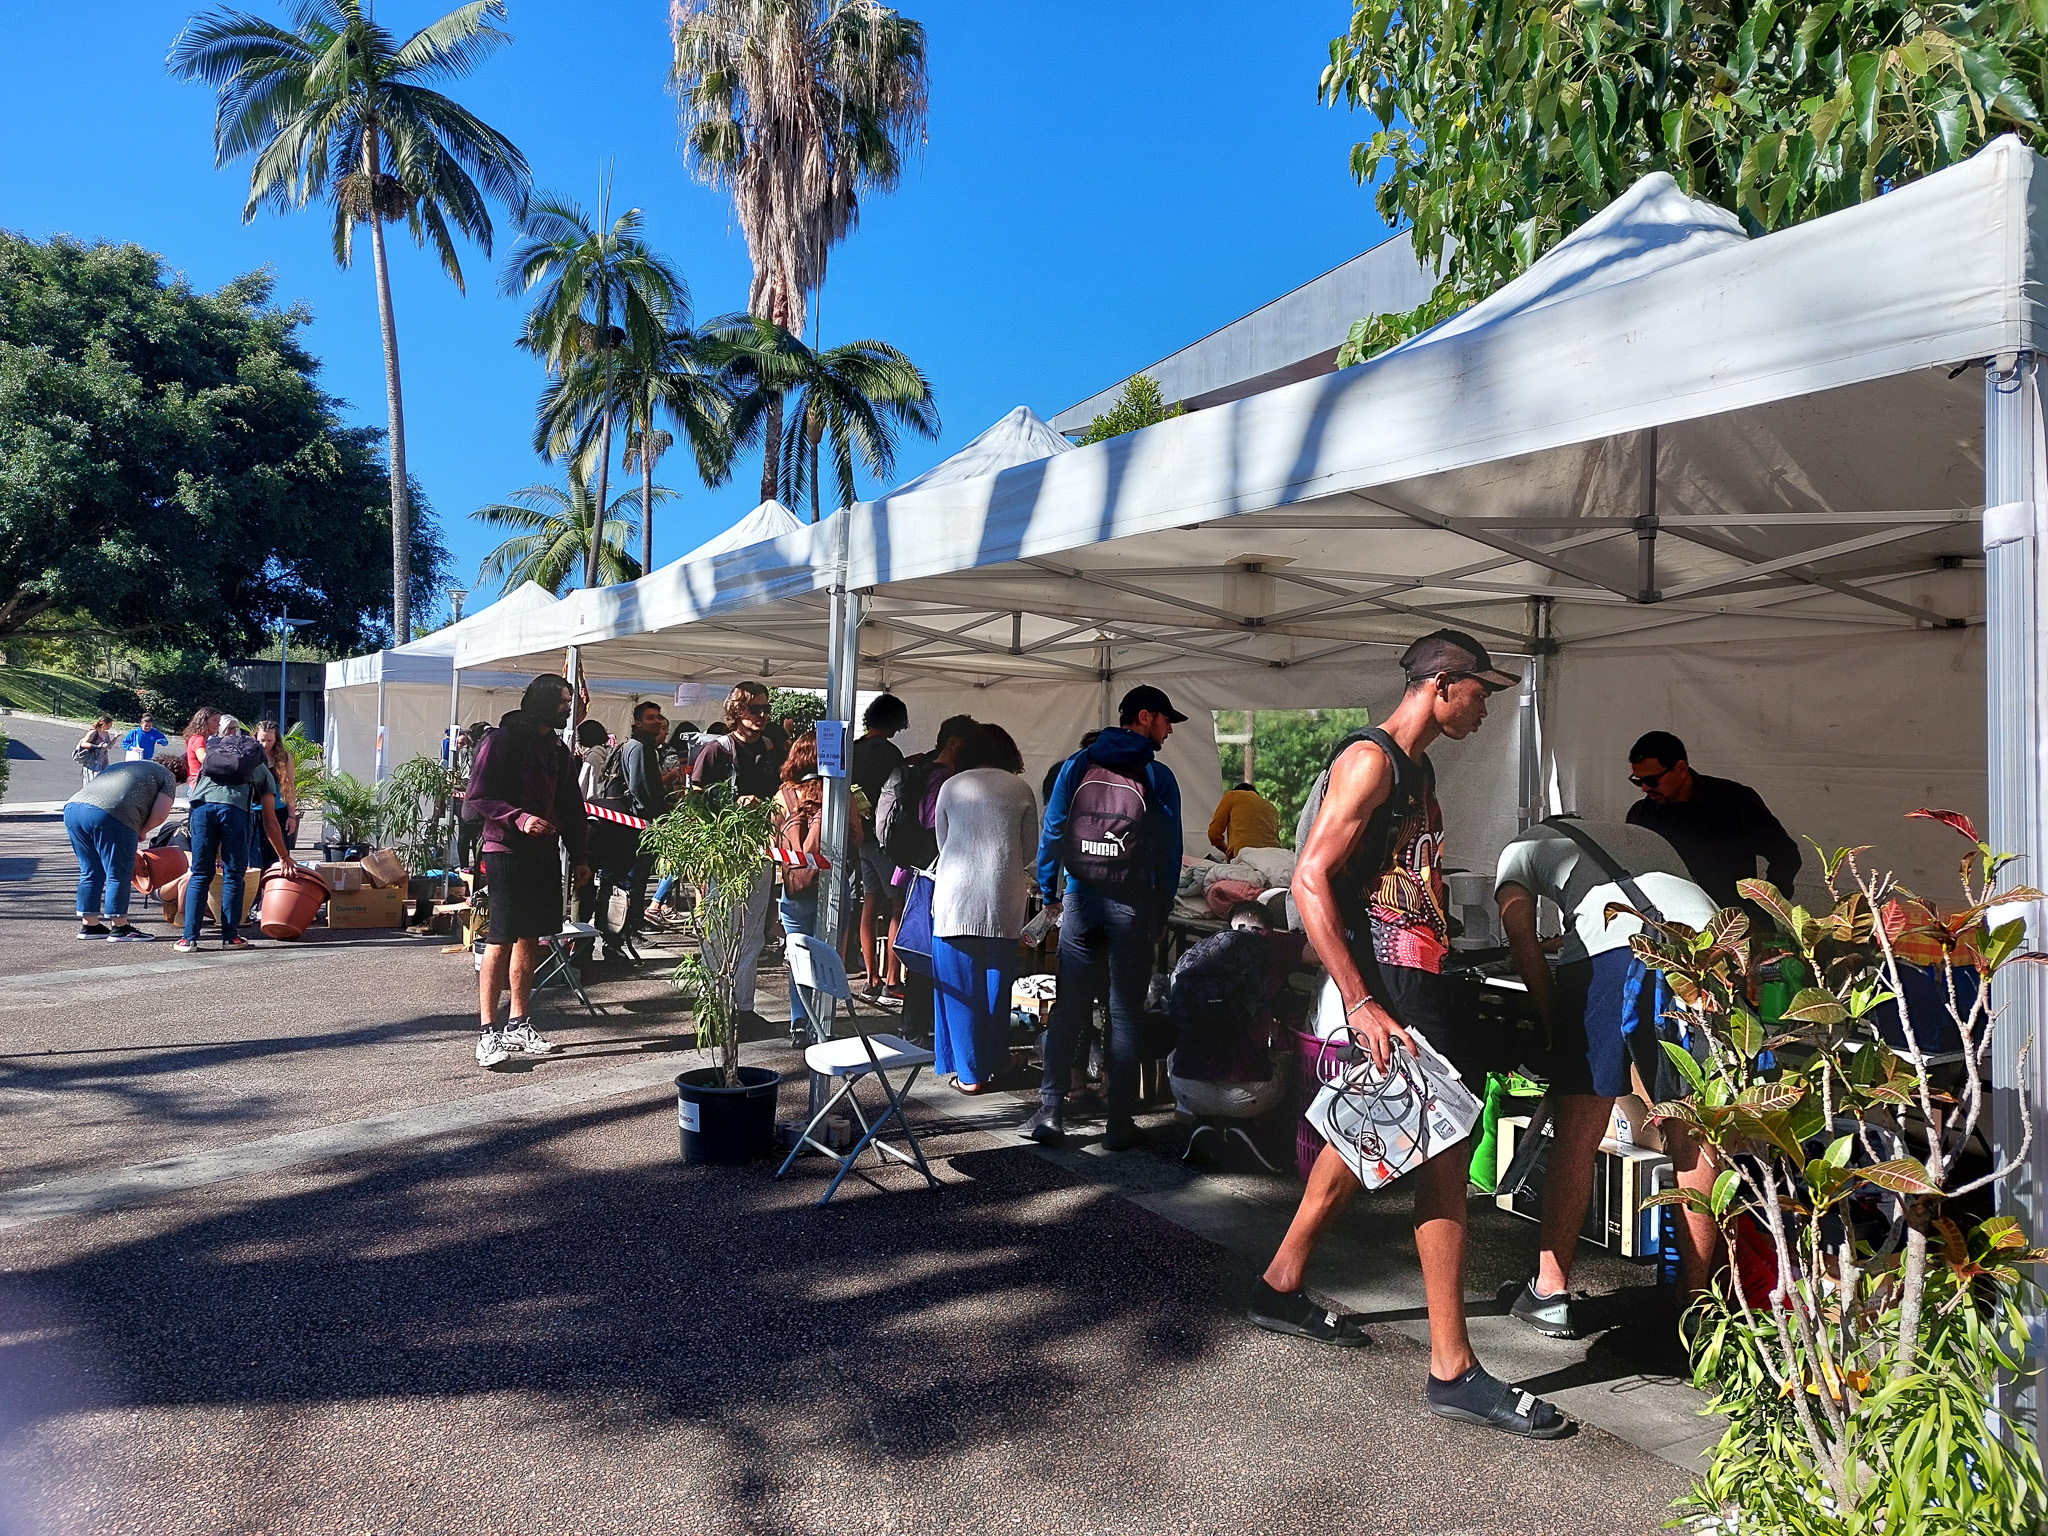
[[870, 761], [754, 767], [1721, 832]]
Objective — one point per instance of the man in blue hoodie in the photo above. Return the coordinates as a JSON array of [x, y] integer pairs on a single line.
[[1113, 823]]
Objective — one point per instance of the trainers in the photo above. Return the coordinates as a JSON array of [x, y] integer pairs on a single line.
[[92, 930], [237, 942], [1044, 1126], [490, 1049], [127, 934], [186, 947], [1548, 1315], [521, 1037]]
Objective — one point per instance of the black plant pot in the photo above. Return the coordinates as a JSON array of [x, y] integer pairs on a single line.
[[726, 1125]]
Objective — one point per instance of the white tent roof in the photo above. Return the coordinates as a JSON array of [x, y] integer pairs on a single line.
[[769, 520], [1019, 438], [430, 659]]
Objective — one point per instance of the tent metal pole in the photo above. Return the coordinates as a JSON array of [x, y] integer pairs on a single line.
[[2013, 573], [377, 772], [1528, 741], [842, 680]]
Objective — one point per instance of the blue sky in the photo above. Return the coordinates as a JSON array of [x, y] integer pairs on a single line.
[[1103, 183]]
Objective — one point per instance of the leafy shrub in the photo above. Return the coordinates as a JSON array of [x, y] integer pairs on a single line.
[[120, 702], [6, 767], [806, 709]]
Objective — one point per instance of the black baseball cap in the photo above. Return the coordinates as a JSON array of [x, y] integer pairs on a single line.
[[1455, 652], [1144, 697]]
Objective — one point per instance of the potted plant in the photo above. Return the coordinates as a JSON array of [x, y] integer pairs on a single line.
[[1873, 1315], [418, 805], [718, 842], [353, 817]]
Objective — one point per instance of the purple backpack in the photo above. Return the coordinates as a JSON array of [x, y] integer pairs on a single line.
[[1107, 844]]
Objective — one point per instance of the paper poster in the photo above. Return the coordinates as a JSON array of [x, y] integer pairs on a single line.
[[832, 749]]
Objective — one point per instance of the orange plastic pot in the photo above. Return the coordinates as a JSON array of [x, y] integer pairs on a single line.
[[157, 867], [291, 900]]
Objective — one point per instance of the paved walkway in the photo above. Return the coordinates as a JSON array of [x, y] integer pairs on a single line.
[[274, 1256]]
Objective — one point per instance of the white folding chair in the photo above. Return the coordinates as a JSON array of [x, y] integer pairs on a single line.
[[815, 971]]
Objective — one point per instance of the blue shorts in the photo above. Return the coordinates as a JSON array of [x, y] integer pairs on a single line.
[[1590, 1049]]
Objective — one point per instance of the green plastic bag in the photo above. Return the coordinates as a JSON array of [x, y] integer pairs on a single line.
[[1502, 1088]]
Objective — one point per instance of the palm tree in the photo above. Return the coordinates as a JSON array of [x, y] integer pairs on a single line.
[[554, 533], [855, 395], [604, 297], [797, 107], [336, 109], [679, 381]]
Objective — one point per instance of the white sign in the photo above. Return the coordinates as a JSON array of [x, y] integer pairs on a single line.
[[832, 749], [686, 1114]]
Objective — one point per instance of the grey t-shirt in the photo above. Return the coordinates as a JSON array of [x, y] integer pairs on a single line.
[[128, 791], [261, 782], [1546, 862]]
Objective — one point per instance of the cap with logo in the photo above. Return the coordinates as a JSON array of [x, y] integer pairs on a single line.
[[1144, 697], [1455, 652]]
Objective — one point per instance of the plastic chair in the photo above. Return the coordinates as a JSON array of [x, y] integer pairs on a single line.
[[815, 970]]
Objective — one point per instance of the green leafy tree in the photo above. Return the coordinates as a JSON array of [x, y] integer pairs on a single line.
[[797, 108], [1503, 128], [678, 383], [854, 396], [603, 305], [798, 704], [1290, 749], [1140, 405], [170, 471], [553, 537], [336, 108]]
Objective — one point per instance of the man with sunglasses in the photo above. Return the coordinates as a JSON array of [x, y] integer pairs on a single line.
[[747, 758], [1719, 827]]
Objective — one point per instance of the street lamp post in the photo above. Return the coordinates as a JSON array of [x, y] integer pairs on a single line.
[[455, 597], [285, 625]]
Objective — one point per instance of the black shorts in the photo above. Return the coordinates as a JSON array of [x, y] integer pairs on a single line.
[[1444, 1010], [525, 895]]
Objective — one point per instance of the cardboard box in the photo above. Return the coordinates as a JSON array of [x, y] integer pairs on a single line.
[[385, 867], [341, 878], [378, 907]]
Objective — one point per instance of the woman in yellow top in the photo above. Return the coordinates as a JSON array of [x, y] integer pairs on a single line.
[[1244, 819]]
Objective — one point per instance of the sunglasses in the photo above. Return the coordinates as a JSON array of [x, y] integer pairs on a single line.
[[1646, 780], [758, 709]]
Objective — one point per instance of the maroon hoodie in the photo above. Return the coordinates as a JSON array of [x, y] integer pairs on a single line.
[[524, 768]]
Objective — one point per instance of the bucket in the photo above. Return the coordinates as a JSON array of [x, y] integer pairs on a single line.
[[156, 867], [291, 900], [726, 1125]]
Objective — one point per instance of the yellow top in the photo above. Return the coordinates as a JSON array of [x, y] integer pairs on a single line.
[[1244, 819]]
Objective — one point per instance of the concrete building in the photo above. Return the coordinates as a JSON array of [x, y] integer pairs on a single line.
[[306, 699]]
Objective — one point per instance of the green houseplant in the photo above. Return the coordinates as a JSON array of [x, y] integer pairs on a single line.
[[353, 813], [416, 808], [717, 841], [1860, 1352]]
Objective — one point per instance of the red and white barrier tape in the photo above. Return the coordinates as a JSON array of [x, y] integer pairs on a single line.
[[601, 813], [789, 860]]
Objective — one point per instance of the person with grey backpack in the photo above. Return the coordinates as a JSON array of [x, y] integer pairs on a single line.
[[1113, 824]]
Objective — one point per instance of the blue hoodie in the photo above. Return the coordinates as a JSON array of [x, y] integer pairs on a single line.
[[1127, 752]]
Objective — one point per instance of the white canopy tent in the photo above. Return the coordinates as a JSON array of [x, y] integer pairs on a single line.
[[1726, 487], [769, 520]]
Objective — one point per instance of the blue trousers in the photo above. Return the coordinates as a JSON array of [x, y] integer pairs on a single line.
[[971, 977], [106, 859], [218, 831], [1105, 945], [799, 915]]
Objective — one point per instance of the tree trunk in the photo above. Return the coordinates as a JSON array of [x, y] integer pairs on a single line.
[[769, 455], [604, 481], [814, 479], [394, 402], [646, 503]]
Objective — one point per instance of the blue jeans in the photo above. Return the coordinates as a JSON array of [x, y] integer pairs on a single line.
[[106, 859], [218, 831], [1104, 944], [799, 915], [972, 977]]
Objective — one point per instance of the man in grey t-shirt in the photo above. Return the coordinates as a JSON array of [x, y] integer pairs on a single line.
[[105, 821], [1600, 1006]]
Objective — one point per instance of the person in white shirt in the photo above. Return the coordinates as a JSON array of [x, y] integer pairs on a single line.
[[1601, 1006]]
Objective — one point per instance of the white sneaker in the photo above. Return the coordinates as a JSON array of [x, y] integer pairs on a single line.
[[523, 1038], [491, 1049]]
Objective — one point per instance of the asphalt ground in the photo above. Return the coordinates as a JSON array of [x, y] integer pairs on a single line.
[[39, 762], [276, 1257]]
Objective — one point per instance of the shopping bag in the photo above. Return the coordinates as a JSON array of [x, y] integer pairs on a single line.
[[913, 943], [1388, 1123]]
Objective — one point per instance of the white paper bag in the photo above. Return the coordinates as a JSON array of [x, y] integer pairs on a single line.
[[1385, 1124]]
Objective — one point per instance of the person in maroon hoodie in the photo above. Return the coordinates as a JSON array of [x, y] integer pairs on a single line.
[[524, 788]]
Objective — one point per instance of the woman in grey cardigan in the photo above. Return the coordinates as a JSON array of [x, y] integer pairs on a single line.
[[987, 822]]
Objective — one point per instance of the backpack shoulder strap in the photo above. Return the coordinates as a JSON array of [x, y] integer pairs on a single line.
[[1610, 866]]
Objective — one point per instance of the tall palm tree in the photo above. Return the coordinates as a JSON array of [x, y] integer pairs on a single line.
[[796, 107], [604, 297], [336, 108], [855, 395], [678, 381], [553, 531]]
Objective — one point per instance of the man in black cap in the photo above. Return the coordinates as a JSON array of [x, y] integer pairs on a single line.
[[1113, 823], [1370, 890]]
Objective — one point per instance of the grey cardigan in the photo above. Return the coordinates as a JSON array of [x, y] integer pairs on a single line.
[[987, 822]]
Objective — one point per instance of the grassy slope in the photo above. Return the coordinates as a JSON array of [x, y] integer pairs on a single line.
[[50, 693]]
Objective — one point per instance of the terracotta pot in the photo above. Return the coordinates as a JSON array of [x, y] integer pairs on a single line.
[[291, 900], [155, 867]]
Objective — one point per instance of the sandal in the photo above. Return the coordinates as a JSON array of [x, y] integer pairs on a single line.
[[1294, 1313], [970, 1089], [1479, 1398]]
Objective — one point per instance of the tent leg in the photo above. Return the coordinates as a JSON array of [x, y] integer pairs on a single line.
[[842, 682], [378, 771], [2014, 630]]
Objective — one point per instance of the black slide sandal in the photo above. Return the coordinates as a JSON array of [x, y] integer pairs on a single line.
[[1484, 1400], [1295, 1314]]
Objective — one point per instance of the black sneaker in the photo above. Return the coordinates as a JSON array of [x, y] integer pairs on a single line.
[[1293, 1312], [92, 930], [1044, 1126], [1548, 1315]]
